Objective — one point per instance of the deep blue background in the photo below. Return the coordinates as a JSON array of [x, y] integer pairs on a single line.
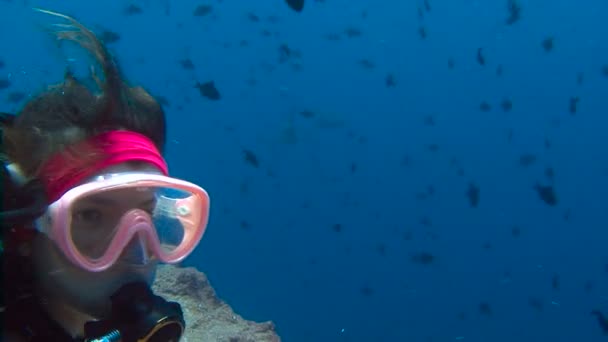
[[289, 265]]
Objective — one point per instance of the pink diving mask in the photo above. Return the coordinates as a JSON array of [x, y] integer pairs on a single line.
[[94, 222]]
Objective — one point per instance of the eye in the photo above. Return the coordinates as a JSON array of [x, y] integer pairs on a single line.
[[89, 215], [149, 207]]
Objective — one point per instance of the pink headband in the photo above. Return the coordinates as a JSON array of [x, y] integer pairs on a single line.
[[63, 171]]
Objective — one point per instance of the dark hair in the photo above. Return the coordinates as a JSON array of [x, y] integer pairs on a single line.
[[54, 121], [70, 112]]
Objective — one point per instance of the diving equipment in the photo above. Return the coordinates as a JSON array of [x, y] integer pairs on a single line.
[[94, 222], [138, 315], [22, 202]]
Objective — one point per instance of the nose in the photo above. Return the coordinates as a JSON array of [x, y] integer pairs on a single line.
[[136, 252]]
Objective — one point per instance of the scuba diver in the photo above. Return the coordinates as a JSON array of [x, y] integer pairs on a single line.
[[89, 210]]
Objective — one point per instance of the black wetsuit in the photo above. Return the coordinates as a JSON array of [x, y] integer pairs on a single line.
[[22, 313], [29, 321], [21, 316]]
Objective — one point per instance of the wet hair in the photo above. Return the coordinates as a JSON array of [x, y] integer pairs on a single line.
[[57, 120], [69, 112]]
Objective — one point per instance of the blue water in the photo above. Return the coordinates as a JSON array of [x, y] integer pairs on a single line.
[[273, 250]]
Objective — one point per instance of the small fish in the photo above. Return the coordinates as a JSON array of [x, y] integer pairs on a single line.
[[208, 90], [163, 101], [485, 107], [514, 10], [296, 5], [307, 113], [485, 309], [451, 63], [390, 81], [109, 37], [367, 64], [473, 195], [555, 282], [333, 37], [187, 64], [433, 147], [381, 249], [202, 10], [427, 5], [580, 78], [352, 32], [536, 303], [132, 10], [429, 120], [4, 83], [499, 70], [548, 44], [251, 158], [15, 96], [420, 13], [423, 258], [253, 17], [480, 57], [284, 53], [527, 159], [367, 291], [506, 105], [547, 194], [573, 106], [422, 32], [549, 173], [602, 320], [605, 70]]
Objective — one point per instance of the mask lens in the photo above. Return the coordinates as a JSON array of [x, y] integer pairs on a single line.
[[95, 219]]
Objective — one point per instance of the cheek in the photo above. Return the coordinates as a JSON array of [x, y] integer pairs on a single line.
[[58, 278], [46, 258]]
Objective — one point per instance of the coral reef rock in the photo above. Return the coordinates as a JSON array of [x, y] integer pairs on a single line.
[[207, 317]]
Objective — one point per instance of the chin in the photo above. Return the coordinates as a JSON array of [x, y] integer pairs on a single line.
[[91, 293], [122, 273]]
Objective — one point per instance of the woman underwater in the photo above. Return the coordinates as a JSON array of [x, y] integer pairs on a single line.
[[89, 210]]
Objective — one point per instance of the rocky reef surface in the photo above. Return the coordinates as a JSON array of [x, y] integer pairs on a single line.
[[207, 317]]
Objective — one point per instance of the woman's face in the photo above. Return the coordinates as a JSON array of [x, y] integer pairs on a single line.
[[89, 292]]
